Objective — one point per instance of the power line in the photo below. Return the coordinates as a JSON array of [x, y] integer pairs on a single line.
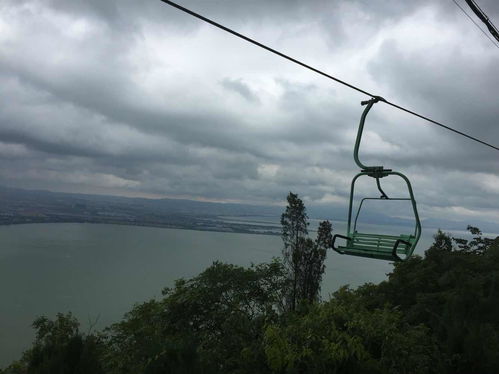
[[476, 24], [298, 62], [483, 17]]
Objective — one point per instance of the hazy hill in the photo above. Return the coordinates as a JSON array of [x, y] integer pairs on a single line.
[[34, 206]]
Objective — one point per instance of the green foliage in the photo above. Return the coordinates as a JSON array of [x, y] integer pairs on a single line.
[[343, 336], [442, 242], [294, 226], [311, 263], [60, 348], [211, 323], [454, 292], [294, 222], [478, 245], [303, 257], [17, 367]]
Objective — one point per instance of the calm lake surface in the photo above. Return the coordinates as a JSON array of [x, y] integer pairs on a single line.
[[100, 271]]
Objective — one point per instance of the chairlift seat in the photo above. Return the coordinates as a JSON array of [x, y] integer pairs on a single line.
[[383, 247]]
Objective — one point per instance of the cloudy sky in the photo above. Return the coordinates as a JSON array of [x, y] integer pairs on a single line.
[[139, 99]]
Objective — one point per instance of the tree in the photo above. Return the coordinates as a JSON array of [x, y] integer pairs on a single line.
[[478, 245], [59, 347], [303, 257], [442, 242], [212, 323], [312, 263], [294, 234], [453, 291], [344, 336]]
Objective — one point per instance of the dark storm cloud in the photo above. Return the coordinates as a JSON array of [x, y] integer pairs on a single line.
[[137, 98]]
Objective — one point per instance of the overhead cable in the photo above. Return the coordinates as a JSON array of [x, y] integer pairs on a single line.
[[483, 17], [476, 24], [298, 62]]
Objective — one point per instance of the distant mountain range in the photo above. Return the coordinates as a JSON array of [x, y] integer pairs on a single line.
[[38, 206]]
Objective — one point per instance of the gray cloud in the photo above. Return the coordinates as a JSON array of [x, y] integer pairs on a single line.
[[237, 85], [136, 98]]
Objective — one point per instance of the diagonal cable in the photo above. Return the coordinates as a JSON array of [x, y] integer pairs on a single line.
[[476, 24], [298, 62], [483, 17]]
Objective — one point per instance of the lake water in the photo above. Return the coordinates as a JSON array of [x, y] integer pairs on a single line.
[[100, 271]]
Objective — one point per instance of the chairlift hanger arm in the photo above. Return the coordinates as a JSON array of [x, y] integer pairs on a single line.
[[375, 171]]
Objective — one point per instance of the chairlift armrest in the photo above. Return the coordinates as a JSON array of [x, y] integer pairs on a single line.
[[395, 247], [334, 240]]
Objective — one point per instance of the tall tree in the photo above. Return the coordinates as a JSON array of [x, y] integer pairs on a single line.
[[294, 222], [312, 265], [303, 257]]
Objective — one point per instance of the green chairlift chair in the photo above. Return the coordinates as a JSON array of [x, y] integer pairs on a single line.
[[383, 247]]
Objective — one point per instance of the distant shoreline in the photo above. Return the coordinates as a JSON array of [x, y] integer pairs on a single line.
[[227, 230]]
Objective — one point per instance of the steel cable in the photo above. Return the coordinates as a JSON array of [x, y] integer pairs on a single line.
[[298, 62]]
